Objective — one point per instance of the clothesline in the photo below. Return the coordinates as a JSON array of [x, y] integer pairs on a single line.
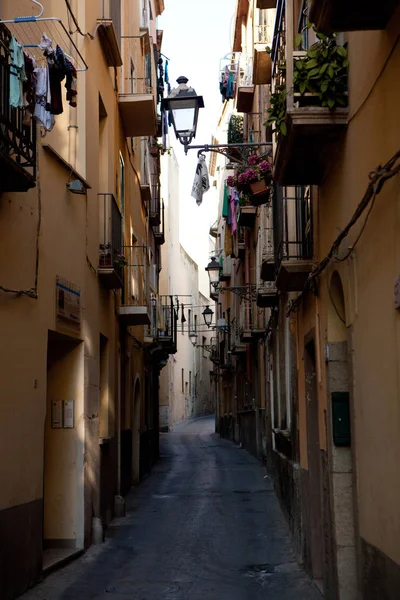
[[37, 89], [29, 31]]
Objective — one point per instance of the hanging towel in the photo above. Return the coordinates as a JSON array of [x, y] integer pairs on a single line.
[[17, 74], [225, 204], [201, 182]]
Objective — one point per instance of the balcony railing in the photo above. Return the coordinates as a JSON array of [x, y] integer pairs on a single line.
[[245, 90], [159, 230], [110, 268], [310, 131], [293, 231], [17, 140], [155, 201], [167, 330], [109, 31], [110, 10]]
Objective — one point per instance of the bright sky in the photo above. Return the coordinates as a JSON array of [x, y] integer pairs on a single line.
[[197, 35]]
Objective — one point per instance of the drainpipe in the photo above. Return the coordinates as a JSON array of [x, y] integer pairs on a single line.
[[73, 118]]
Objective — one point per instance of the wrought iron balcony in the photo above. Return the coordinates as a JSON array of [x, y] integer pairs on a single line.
[[304, 151], [293, 231], [167, 330], [245, 88], [17, 140], [267, 294], [110, 269], [135, 308], [158, 230], [226, 272], [358, 15], [155, 201], [109, 31], [266, 246]]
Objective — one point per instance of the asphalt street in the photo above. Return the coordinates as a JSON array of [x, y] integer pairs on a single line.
[[205, 525]]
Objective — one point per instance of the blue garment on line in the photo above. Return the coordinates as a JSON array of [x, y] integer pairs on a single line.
[[17, 74]]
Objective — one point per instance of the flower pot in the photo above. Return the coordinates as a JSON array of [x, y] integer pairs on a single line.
[[260, 192], [154, 151], [105, 260]]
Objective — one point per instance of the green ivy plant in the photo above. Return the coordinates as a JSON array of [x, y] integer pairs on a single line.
[[277, 112], [235, 130], [322, 72]]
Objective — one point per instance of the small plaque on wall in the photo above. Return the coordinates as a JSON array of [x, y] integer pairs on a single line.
[[68, 414], [56, 414], [68, 301]]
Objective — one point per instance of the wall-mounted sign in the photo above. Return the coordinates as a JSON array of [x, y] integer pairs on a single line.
[[62, 414], [56, 414], [68, 414], [68, 301]]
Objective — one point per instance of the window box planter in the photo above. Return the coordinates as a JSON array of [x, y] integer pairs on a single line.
[[260, 191]]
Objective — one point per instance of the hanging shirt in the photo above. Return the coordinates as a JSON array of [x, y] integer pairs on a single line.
[[17, 74], [233, 214], [201, 181], [225, 203], [29, 89], [43, 98]]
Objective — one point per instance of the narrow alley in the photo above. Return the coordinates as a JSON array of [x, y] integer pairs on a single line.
[[205, 524]]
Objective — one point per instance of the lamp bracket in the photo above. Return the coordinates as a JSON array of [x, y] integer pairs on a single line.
[[236, 153], [247, 292]]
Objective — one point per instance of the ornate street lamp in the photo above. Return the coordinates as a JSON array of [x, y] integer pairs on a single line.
[[183, 105], [208, 315], [214, 270]]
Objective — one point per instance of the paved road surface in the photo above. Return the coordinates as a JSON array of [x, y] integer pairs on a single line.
[[205, 525]]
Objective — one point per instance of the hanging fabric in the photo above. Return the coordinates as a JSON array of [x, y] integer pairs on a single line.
[[17, 74], [201, 181], [228, 242]]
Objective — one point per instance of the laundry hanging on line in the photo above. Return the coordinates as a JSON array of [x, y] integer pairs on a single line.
[[37, 89], [201, 181]]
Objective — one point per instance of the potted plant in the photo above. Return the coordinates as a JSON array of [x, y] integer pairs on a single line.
[[253, 177], [156, 147], [319, 79], [121, 260], [105, 255]]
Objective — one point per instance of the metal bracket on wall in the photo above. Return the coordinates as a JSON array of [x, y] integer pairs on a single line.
[[247, 292], [236, 153]]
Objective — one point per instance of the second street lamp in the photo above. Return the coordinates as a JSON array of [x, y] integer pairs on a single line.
[[208, 315], [214, 270]]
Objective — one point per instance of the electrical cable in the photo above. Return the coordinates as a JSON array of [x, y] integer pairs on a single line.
[[351, 117], [78, 29], [377, 179]]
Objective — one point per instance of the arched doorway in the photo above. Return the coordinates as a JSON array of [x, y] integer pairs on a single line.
[[135, 416], [342, 470]]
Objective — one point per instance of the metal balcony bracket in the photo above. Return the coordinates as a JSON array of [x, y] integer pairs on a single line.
[[236, 153], [247, 292]]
